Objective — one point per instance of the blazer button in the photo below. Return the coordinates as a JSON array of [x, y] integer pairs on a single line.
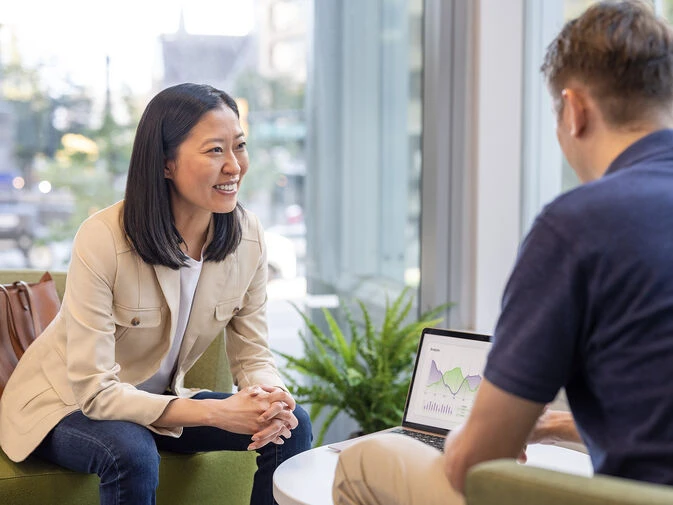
[[135, 321], [236, 309]]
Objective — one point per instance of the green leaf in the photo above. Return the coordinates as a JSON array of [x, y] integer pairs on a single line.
[[354, 377], [326, 424], [341, 346], [364, 372]]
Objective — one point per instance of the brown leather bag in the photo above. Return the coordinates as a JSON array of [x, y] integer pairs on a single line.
[[25, 310]]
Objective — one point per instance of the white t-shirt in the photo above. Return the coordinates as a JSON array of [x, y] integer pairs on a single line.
[[189, 278]]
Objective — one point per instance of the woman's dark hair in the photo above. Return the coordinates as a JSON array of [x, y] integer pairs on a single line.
[[148, 220], [623, 52]]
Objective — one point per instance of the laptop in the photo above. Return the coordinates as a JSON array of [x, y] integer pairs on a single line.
[[447, 374]]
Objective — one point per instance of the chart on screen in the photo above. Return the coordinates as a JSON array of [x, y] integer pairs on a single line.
[[447, 379]]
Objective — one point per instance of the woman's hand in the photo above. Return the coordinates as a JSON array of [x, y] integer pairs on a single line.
[[278, 415], [263, 411]]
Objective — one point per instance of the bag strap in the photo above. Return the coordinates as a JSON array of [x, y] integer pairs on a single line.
[[11, 324], [25, 288]]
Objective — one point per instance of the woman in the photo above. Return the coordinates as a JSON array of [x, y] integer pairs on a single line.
[[152, 281]]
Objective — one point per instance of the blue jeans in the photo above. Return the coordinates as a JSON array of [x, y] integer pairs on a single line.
[[125, 455]]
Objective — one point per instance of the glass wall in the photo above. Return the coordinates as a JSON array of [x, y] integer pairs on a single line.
[[364, 147]]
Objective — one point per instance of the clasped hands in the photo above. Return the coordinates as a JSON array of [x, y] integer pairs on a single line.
[[266, 413]]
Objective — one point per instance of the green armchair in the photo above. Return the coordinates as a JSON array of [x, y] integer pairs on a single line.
[[505, 482], [203, 478]]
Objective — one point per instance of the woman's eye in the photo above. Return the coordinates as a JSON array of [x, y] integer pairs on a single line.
[[242, 145], [217, 150]]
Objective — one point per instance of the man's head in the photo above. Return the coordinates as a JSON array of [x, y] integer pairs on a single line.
[[614, 65]]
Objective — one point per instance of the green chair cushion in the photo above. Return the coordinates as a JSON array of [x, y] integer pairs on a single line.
[[34, 482], [183, 480]]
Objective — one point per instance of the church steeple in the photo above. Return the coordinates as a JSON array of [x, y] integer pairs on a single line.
[[181, 28]]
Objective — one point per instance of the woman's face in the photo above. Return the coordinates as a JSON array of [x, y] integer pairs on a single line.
[[209, 166]]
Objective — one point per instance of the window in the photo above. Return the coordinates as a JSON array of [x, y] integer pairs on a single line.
[[547, 173], [364, 141]]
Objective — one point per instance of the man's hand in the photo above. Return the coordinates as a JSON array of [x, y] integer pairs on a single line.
[[554, 426], [498, 427], [551, 428]]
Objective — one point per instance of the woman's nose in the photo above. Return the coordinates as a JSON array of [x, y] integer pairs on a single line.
[[231, 165]]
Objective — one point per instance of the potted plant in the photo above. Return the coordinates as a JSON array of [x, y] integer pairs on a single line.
[[365, 374]]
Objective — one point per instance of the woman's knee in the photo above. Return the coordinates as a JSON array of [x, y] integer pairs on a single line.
[[134, 453], [303, 431]]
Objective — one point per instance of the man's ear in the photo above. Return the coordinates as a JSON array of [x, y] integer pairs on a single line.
[[169, 168], [574, 111]]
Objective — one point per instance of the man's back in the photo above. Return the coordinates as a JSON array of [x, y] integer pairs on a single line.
[[601, 322]]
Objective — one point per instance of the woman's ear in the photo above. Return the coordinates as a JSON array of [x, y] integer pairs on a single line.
[[169, 169]]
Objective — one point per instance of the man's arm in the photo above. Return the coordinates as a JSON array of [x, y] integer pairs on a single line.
[[498, 427]]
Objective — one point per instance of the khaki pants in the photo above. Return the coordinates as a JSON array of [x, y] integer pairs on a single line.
[[391, 469]]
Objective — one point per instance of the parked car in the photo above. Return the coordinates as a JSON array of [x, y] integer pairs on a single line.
[[296, 232], [281, 256], [18, 221]]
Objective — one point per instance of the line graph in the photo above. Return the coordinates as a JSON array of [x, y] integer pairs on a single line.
[[449, 394], [452, 381], [447, 379]]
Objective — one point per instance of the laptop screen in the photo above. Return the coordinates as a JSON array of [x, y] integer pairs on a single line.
[[446, 378]]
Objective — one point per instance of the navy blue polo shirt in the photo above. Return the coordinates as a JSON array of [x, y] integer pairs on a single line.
[[589, 306]]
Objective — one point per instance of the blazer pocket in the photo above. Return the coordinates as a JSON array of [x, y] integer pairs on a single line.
[[55, 370], [224, 311], [126, 318], [37, 404]]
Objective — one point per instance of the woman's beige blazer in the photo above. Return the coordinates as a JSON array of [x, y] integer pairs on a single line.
[[116, 324]]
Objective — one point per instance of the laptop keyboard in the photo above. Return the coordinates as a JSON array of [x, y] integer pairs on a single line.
[[434, 440]]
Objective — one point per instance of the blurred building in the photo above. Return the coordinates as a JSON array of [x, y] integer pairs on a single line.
[[204, 59], [282, 32], [6, 144], [7, 162]]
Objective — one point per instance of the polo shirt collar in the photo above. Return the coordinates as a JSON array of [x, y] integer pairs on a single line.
[[656, 142]]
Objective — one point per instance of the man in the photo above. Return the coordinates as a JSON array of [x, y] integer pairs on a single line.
[[589, 304]]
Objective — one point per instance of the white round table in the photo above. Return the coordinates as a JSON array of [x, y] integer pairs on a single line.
[[306, 479]]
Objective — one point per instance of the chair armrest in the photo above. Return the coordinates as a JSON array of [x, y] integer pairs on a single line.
[[505, 482]]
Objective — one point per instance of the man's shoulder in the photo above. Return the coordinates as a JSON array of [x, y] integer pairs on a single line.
[[571, 208], [615, 189]]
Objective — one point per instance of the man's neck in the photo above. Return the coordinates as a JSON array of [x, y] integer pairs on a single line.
[[614, 141]]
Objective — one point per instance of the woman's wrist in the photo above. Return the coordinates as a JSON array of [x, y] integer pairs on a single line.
[[182, 412]]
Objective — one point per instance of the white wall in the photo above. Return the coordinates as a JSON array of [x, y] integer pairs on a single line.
[[500, 34]]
